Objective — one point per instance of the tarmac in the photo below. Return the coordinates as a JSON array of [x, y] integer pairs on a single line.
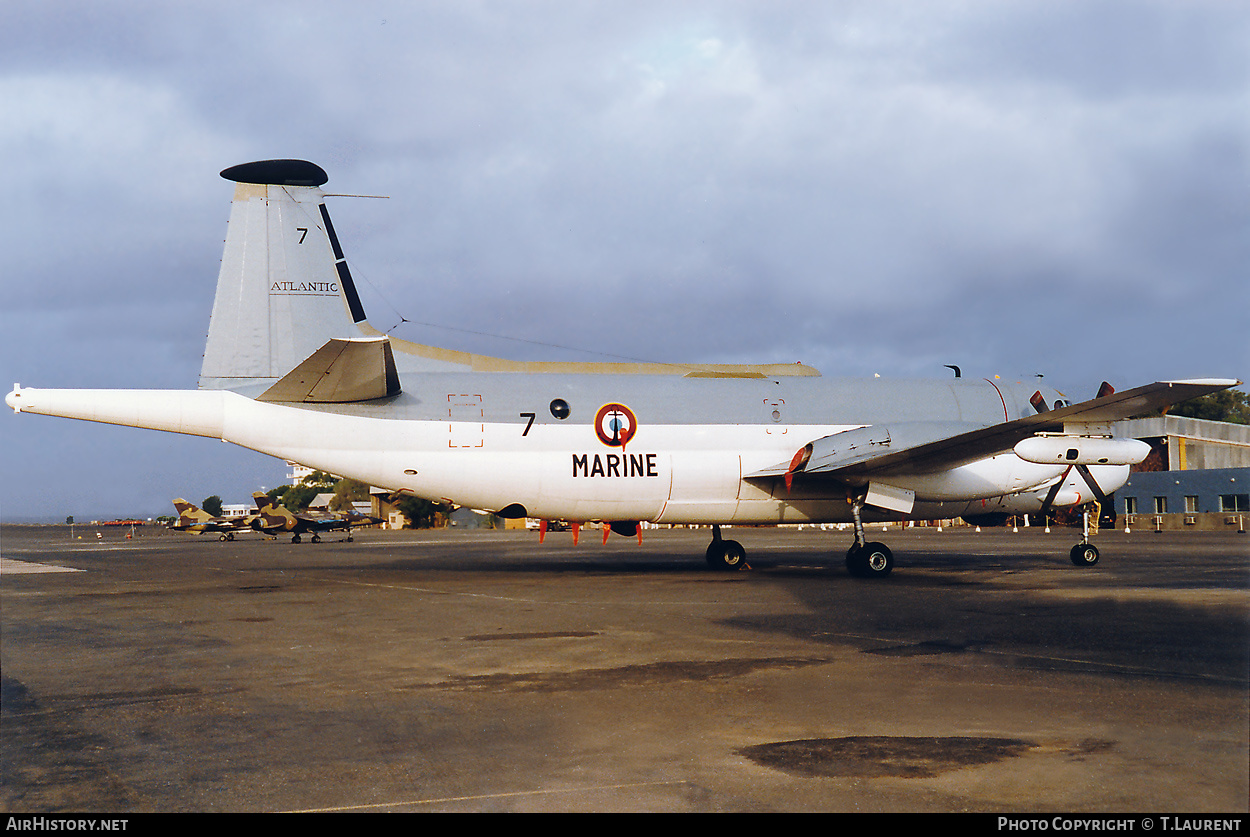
[[481, 671]]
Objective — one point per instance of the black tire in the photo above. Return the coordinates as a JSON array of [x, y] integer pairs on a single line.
[[872, 560], [1084, 555], [726, 555], [854, 562]]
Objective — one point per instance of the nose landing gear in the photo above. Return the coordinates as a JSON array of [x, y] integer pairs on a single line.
[[1085, 554]]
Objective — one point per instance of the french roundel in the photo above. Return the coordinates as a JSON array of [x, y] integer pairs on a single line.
[[615, 425]]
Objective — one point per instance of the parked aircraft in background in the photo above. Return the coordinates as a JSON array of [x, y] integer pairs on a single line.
[[293, 369], [272, 518], [192, 518]]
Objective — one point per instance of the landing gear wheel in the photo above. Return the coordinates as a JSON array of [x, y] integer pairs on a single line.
[[221, 537], [852, 560], [872, 560], [726, 555], [316, 539], [1084, 555], [295, 539]]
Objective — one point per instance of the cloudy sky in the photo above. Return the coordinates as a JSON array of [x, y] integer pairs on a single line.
[[1019, 188]]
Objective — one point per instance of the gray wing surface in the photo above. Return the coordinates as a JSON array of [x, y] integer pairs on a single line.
[[910, 456]]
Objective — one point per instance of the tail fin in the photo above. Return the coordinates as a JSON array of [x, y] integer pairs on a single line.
[[284, 292], [271, 514], [190, 514], [284, 288]]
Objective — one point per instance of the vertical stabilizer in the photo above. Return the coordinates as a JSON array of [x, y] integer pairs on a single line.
[[284, 289]]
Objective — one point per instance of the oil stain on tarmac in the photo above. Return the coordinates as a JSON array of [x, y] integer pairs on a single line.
[[869, 756]]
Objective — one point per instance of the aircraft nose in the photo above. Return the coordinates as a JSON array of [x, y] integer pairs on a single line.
[[14, 398]]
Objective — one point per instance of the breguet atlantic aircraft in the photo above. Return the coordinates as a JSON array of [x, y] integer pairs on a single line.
[[293, 369]]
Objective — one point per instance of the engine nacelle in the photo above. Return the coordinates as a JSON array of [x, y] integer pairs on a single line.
[[850, 446], [1082, 450]]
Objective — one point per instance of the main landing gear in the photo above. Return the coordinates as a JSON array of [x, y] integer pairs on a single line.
[[864, 559], [725, 555], [316, 538], [870, 559]]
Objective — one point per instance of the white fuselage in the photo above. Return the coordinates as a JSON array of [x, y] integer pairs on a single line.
[[491, 442]]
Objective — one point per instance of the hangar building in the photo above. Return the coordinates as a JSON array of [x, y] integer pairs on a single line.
[[1197, 475]]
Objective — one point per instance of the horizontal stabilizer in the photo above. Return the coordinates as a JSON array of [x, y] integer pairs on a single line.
[[343, 370]]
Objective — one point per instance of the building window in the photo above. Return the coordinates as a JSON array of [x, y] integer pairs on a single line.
[[1161, 505], [1130, 505], [1191, 504], [1234, 502]]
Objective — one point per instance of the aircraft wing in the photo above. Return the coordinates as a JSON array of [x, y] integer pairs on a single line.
[[211, 527], [323, 524], [925, 448]]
